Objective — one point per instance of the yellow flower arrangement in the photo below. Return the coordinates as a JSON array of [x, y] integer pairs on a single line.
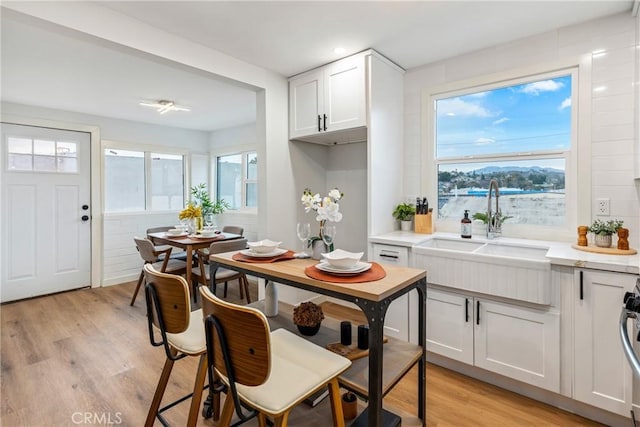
[[191, 211]]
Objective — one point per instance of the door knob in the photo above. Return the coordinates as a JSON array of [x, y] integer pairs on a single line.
[[85, 218], [85, 207]]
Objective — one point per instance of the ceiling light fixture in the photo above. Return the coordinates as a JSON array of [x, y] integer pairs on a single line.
[[164, 106]]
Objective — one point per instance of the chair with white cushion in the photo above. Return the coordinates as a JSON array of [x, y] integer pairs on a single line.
[[270, 372], [182, 334]]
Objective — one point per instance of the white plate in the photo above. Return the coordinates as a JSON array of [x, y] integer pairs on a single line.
[[276, 252], [200, 236], [360, 267], [184, 233]]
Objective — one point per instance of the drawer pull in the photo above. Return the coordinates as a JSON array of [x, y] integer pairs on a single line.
[[389, 256]]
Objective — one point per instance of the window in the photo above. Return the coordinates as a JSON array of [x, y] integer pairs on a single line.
[[139, 181], [38, 155], [519, 132], [237, 179]]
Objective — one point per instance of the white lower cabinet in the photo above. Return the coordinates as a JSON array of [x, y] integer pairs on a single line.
[[515, 341], [602, 376], [396, 321]]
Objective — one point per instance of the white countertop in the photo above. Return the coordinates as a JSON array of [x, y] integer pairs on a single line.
[[559, 253]]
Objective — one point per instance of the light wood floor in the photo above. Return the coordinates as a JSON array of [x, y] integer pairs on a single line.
[[85, 355]]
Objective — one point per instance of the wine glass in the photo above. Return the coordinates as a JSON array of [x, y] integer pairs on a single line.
[[304, 232], [328, 234]]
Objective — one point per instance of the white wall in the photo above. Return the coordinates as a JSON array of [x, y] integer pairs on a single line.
[[612, 110], [120, 260], [229, 141], [277, 200]]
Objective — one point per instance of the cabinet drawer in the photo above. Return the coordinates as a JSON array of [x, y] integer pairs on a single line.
[[389, 254]]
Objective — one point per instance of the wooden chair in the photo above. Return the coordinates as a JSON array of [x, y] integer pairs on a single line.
[[235, 229], [182, 334], [270, 372], [151, 255], [201, 274]]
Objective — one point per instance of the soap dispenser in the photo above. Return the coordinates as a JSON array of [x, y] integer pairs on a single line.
[[465, 226]]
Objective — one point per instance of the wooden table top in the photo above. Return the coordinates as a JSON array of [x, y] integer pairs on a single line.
[[397, 278], [183, 241]]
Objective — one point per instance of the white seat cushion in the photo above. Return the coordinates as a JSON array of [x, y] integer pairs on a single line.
[[192, 341], [298, 367]]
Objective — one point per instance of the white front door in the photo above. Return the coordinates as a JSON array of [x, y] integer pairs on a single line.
[[46, 215]]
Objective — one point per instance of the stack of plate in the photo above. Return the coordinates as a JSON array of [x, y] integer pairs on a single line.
[[359, 267], [343, 262]]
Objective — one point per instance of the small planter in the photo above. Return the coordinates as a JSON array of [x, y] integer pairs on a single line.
[[318, 247], [349, 405], [603, 240], [406, 225], [308, 330]]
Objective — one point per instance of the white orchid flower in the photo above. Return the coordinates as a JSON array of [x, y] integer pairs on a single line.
[[335, 194]]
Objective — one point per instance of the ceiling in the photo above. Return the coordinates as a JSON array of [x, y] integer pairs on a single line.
[[49, 66]]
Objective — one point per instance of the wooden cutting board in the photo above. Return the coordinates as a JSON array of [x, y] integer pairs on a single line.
[[608, 251], [351, 352]]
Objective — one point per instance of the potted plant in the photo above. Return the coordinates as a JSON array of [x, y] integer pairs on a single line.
[[308, 316], [201, 197], [603, 230], [404, 213]]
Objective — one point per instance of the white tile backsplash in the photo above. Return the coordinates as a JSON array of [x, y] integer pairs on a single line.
[[613, 139]]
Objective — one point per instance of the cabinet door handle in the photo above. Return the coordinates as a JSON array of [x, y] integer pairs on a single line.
[[325, 121], [581, 285], [477, 312], [466, 310], [319, 123]]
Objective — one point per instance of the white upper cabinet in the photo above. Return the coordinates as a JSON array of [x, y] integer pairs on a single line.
[[328, 99]]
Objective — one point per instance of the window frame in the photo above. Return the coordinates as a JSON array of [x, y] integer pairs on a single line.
[[147, 150], [577, 158], [244, 169]]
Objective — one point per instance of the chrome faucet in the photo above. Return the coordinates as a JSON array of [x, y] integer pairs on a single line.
[[494, 226]]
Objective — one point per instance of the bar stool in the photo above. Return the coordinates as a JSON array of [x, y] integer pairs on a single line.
[[182, 332]]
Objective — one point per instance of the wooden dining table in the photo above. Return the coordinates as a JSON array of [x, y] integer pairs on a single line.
[[190, 244], [373, 298]]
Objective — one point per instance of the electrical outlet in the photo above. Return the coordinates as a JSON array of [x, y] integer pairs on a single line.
[[602, 207]]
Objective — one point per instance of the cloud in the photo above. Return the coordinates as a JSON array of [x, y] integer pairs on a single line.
[[565, 104], [501, 120], [484, 141], [543, 86], [458, 107]]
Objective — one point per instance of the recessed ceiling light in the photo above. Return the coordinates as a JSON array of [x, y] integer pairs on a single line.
[[164, 106], [339, 50]]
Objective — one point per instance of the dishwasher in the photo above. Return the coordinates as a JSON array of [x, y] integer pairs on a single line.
[[631, 310]]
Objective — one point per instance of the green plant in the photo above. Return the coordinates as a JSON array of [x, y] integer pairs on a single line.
[[482, 216], [404, 212], [605, 228], [201, 197]]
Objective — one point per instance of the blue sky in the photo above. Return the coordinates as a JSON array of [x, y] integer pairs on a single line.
[[523, 118]]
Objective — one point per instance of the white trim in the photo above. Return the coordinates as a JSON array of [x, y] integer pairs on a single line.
[[96, 190], [147, 149], [578, 159]]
